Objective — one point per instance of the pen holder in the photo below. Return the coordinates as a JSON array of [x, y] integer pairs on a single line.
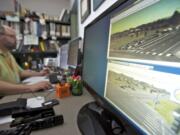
[[76, 85], [62, 90], [77, 88]]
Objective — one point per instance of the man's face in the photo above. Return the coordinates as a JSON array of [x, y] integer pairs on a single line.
[[8, 38]]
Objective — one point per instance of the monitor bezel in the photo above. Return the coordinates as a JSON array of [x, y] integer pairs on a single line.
[[78, 39]]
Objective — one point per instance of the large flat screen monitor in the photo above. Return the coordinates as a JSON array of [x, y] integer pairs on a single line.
[[143, 69], [133, 63]]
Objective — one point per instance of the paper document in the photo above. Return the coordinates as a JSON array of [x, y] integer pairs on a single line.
[[6, 119], [36, 79], [35, 102]]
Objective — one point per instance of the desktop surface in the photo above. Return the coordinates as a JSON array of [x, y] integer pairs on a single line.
[[68, 107]]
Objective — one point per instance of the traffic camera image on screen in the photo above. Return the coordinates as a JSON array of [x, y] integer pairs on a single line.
[[151, 33], [143, 71]]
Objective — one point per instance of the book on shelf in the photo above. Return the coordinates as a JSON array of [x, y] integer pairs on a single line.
[[34, 27], [31, 40], [43, 31], [20, 46], [26, 28], [12, 18], [52, 29], [58, 30], [42, 46], [65, 31], [52, 46]]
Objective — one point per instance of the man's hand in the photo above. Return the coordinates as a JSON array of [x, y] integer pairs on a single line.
[[45, 85]]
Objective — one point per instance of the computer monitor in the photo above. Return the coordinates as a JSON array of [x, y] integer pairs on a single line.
[[64, 56], [134, 63], [74, 53]]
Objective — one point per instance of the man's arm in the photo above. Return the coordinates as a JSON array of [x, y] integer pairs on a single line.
[[29, 73], [7, 88]]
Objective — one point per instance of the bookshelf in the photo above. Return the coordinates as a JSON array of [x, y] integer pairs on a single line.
[[37, 37], [35, 54]]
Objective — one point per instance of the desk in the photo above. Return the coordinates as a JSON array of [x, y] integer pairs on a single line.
[[68, 106]]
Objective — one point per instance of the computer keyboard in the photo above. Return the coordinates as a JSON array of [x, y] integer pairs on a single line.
[[20, 130], [9, 107]]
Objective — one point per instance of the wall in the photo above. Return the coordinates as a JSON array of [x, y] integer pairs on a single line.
[[74, 19], [71, 3], [51, 7], [6, 5], [105, 5]]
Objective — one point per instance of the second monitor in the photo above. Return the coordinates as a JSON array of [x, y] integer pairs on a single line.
[[74, 53]]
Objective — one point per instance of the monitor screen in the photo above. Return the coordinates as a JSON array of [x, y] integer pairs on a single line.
[[64, 56], [143, 69], [73, 53]]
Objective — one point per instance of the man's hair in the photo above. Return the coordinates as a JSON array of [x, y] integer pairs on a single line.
[[1, 29]]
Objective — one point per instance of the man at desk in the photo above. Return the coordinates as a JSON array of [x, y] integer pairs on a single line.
[[10, 72]]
